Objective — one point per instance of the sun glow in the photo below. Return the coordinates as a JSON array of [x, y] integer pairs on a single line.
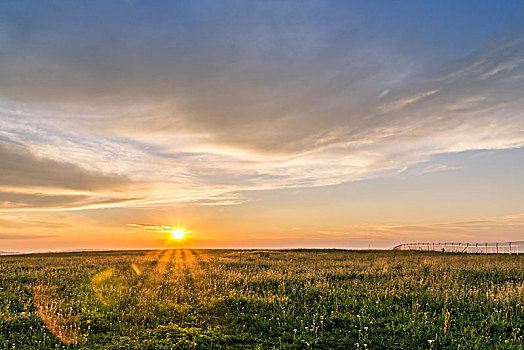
[[178, 233]]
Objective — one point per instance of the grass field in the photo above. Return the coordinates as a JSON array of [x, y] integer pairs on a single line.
[[184, 299]]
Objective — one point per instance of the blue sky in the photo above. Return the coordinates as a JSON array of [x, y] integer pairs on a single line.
[[254, 117]]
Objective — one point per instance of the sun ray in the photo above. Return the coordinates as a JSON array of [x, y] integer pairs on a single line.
[[163, 262], [178, 261], [191, 262]]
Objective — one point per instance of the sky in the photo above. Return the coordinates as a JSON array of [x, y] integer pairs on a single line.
[[260, 124]]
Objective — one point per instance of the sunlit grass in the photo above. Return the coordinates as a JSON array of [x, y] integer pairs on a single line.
[[181, 298]]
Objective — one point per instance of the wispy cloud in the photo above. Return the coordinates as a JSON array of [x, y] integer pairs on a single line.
[[399, 104], [17, 236], [150, 227], [185, 121], [505, 228]]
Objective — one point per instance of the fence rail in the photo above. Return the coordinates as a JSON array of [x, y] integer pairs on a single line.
[[471, 248]]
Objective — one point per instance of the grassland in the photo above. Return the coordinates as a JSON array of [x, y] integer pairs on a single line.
[[184, 299]]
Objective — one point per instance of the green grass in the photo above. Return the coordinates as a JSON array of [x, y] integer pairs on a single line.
[[322, 299]]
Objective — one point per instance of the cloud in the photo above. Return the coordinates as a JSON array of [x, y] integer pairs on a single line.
[[7, 236], [21, 168], [392, 106], [29, 182], [151, 227], [17, 201], [501, 229], [206, 105]]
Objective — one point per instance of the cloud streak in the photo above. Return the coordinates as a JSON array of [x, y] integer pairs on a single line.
[[17, 236], [504, 228]]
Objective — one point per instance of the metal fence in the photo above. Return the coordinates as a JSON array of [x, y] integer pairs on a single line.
[[472, 248]]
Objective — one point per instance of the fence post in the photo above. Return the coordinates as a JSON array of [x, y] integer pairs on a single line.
[[509, 248], [476, 248], [486, 248], [497, 248]]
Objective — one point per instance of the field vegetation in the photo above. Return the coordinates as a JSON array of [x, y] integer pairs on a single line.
[[295, 299]]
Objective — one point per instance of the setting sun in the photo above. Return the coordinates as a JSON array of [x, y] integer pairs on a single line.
[[178, 233]]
